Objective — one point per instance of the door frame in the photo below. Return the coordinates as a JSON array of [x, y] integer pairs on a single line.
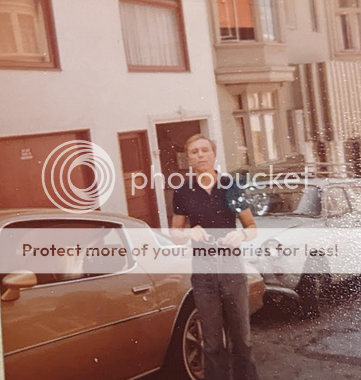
[[207, 122]]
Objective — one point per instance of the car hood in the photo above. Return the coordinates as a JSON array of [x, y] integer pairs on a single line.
[[282, 221]]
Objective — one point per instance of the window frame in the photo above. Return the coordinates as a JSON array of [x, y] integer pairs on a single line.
[[278, 24], [336, 213], [315, 22], [169, 4], [51, 39], [47, 222], [246, 113], [292, 131], [351, 195], [353, 29]]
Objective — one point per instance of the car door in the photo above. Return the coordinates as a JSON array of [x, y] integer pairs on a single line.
[[340, 230], [96, 326]]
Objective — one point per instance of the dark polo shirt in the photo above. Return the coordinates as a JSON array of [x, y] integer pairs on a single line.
[[206, 210]]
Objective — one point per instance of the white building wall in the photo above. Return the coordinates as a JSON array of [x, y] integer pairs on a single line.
[[303, 44], [94, 90]]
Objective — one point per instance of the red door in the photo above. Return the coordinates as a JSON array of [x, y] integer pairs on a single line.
[[135, 157]]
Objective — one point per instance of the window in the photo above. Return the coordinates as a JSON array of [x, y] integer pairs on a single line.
[[242, 141], [336, 203], [348, 18], [153, 35], [237, 20], [27, 35], [291, 135], [258, 112], [314, 18], [354, 193], [95, 247], [305, 200], [268, 19]]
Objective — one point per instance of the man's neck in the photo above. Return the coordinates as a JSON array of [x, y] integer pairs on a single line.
[[205, 179]]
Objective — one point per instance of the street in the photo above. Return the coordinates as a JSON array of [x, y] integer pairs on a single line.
[[325, 348]]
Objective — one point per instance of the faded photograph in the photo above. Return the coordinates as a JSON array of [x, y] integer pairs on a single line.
[[180, 189]]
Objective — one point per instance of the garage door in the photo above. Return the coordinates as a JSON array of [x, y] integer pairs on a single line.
[[21, 162]]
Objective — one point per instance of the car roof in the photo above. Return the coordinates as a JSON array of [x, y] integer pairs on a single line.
[[319, 182], [13, 215]]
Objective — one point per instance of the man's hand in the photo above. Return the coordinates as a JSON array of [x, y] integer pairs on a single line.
[[181, 235], [197, 234], [234, 238]]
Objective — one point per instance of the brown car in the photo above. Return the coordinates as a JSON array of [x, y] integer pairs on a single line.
[[118, 324]]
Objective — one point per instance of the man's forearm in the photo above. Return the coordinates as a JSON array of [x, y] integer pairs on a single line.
[[179, 236]]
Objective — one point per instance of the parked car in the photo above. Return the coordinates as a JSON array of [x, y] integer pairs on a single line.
[[113, 325], [318, 207]]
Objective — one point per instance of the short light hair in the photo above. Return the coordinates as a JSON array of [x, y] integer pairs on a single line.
[[197, 137]]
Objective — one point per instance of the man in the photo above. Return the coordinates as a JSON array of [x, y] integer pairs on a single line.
[[221, 298]]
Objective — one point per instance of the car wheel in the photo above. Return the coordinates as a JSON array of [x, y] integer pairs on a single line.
[[192, 347], [185, 358], [314, 291]]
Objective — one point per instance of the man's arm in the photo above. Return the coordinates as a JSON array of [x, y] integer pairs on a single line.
[[249, 232], [248, 223]]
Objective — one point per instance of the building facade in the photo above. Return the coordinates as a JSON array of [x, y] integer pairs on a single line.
[[288, 80], [135, 77], [273, 82]]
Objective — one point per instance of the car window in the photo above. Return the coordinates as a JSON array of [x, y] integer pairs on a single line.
[[303, 200], [354, 192], [336, 202], [95, 256]]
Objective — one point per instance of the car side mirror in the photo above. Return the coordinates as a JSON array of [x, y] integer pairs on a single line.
[[15, 281]]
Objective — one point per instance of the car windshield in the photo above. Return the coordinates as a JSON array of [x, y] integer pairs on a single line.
[[304, 201]]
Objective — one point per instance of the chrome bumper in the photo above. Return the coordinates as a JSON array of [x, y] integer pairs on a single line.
[[277, 291]]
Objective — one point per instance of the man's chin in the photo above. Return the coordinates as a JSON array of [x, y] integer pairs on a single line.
[[203, 169]]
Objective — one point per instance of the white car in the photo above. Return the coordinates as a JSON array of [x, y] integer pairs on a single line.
[[322, 211]]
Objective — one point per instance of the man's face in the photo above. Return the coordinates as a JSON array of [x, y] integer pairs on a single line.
[[201, 156]]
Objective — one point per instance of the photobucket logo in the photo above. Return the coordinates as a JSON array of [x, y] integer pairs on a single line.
[[73, 164], [280, 180]]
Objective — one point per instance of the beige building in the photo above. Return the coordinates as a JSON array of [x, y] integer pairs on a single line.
[[135, 77], [288, 78], [277, 81]]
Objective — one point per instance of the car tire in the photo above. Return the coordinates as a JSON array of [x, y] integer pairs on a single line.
[[282, 307], [314, 290], [314, 286], [184, 359]]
